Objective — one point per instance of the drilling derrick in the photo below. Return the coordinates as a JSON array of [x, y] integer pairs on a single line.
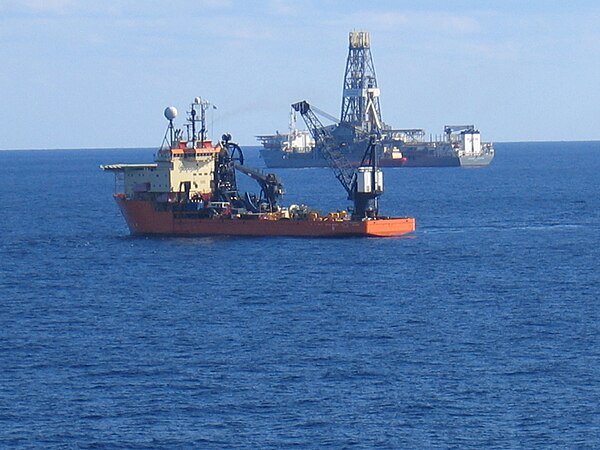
[[360, 102]]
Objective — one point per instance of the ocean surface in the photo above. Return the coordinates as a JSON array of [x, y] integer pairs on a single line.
[[481, 330]]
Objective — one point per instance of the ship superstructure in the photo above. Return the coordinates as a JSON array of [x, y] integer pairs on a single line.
[[182, 167], [361, 116], [295, 143], [191, 189]]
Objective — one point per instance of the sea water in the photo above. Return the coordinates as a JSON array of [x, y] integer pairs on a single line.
[[480, 330]]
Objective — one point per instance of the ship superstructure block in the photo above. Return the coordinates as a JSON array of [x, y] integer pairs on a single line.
[[190, 170], [470, 142]]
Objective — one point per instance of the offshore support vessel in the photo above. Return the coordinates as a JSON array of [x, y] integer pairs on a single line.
[[399, 147], [461, 146], [191, 190]]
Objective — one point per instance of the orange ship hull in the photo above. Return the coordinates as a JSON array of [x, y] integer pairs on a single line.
[[144, 219]]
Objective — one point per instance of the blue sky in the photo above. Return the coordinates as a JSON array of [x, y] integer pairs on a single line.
[[87, 73]]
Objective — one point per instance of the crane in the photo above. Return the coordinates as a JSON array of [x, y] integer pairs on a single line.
[[449, 129], [271, 186], [364, 184], [232, 159]]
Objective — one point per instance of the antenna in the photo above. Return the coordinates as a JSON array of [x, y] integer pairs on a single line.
[[196, 101], [170, 114], [203, 105]]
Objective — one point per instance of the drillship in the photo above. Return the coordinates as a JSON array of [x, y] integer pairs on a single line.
[[461, 146], [191, 190]]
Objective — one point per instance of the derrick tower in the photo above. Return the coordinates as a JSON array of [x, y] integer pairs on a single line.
[[360, 101]]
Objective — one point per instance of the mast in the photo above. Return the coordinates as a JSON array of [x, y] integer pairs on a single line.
[[193, 119]]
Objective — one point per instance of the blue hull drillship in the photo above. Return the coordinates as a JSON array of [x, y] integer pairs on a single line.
[[461, 145], [463, 149]]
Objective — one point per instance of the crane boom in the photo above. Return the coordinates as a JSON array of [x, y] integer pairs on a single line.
[[336, 159], [448, 129], [364, 184], [271, 185]]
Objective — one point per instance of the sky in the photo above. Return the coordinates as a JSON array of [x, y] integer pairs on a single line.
[[97, 74]]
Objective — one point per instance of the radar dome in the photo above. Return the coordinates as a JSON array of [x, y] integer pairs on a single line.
[[170, 112]]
